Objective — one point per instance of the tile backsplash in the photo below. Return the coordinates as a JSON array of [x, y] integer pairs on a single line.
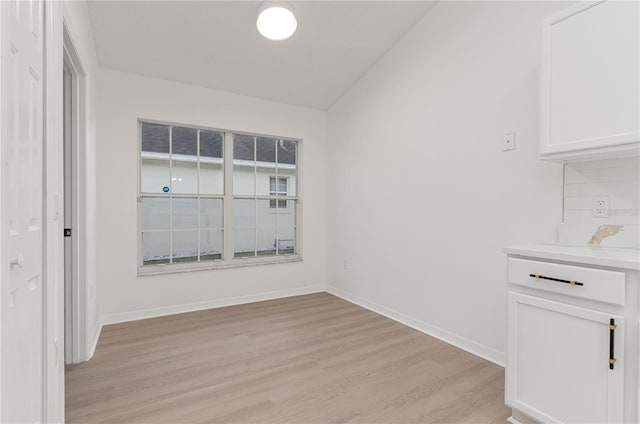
[[618, 179]]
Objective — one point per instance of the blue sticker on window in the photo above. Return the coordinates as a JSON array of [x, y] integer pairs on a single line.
[[165, 189]]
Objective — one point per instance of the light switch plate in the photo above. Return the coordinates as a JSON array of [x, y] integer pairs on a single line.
[[509, 142]]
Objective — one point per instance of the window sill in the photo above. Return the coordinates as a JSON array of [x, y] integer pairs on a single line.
[[150, 270]]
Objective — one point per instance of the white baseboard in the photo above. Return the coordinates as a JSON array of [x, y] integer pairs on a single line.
[[456, 340], [94, 340], [208, 304]]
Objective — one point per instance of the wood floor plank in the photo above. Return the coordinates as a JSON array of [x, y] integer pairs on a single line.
[[305, 359]]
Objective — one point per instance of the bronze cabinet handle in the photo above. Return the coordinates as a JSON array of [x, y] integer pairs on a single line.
[[612, 333], [559, 280]]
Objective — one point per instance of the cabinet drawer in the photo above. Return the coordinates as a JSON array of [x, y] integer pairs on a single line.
[[594, 284]]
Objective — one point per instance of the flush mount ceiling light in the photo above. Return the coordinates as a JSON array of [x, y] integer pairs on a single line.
[[276, 20]]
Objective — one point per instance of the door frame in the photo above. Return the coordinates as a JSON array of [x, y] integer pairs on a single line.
[[78, 285], [58, 36], [4, 270], [54, 246]]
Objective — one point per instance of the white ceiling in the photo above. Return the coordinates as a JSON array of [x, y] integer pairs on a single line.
[[215, 44]]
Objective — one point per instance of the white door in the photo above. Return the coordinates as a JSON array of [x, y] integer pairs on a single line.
[[558, 368], [22, 211]]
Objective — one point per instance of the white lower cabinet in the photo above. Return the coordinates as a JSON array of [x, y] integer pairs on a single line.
[[573, 336], [559, 367]]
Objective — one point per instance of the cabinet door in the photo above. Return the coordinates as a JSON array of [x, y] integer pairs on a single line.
[[558, 367], [590, 77]]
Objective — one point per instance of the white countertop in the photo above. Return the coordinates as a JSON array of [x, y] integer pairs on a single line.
[[601, 256]]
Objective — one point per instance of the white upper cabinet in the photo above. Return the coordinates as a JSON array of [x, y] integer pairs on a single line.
[[590, 90]]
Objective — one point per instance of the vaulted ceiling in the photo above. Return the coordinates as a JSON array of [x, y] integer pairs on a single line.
[[215, 44]]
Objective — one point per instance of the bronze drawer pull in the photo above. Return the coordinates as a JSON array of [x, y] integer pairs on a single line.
[[542, 277]]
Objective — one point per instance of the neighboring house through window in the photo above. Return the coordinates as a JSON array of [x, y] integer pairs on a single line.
[[191, 178], [278, 187]]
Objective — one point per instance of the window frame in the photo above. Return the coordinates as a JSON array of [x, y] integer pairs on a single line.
[[228, 260]]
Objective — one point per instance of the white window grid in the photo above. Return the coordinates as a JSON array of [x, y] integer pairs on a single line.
[[227, 197], [277, 197], [171, 196]]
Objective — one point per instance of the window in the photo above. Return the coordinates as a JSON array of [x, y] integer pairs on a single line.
[[212, 198], [277, 187], [263, 224]]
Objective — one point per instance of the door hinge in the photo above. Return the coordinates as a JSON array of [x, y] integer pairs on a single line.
[[67, 232]]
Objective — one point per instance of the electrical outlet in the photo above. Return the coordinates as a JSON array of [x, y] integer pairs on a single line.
[[600, 207]]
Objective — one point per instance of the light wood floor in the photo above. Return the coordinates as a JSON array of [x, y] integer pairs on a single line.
[[305, 359]]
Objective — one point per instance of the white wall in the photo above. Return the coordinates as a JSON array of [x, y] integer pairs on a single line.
[[76, 16], [123, 98], [423, 197]]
